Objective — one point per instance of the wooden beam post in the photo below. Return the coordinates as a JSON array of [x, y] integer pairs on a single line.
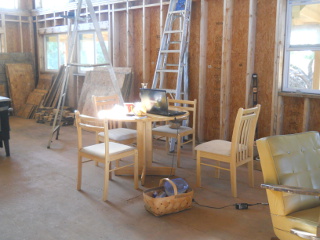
[[146, 43], [129, 36], [306, 114], [202, 68], [116, 37], [226, 68], [251, 50], [276, 113]]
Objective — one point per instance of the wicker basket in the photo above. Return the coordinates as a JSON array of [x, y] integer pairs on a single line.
[[167, 205]]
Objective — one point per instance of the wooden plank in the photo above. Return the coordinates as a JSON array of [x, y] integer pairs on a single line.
[[306, 115], [277, 66], [202, 67], [21, 83], [251, 51], [146, 43], [36, 96], [225, 68], [26, 111]]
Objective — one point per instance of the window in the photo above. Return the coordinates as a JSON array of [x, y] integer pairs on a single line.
[[55, 51], [89, 49], [13, 4], [302, 47], [52, 4]]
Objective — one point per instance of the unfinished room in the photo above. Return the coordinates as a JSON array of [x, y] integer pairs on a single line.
[[159, 119]]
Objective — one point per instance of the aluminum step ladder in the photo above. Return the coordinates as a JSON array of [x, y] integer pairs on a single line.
[[66, 69], [171, 72]]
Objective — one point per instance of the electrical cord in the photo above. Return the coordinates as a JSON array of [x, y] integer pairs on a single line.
[[238, 206]]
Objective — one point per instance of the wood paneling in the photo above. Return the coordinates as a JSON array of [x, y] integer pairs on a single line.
[[13, 37], [264, 61], [293, 115]]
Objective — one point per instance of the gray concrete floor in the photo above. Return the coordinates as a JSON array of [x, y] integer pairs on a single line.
[[39, 200]]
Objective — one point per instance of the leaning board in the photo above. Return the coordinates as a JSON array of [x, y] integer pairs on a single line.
[[21, 83]]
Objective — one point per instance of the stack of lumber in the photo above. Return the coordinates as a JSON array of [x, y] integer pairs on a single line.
[[52, 98], [98, 83], [46, 115]]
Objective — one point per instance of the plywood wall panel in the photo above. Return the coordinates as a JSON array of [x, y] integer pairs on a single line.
[[314, 118], [214, 54], [27, 39], [264, 61], [293, 115], [154, 40], [239, 59], [13, 37]]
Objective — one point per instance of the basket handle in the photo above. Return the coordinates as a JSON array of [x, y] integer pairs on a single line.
[[175, 190]]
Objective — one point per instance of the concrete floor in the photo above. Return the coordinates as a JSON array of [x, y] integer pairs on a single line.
[[39, 200]]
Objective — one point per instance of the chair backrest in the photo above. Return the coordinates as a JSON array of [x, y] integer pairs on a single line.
[[185, 105], [243, 134], [292, 160], [106, 103], [90, 124]]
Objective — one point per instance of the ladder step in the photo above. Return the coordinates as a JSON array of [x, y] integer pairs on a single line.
[[172, 31], [169, 51], [172, 65], [178, 12], [175, 42], [167, 70]]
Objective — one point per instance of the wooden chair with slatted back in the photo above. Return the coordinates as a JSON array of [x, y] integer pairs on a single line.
[[236, 153], [104, 152], [168, 131], [117, 133]]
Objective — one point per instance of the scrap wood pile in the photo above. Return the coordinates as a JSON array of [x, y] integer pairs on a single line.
[[46, 115]]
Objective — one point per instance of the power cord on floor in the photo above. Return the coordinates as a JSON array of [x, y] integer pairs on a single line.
[[238, 206]]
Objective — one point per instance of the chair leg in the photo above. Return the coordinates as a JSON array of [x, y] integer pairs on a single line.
[[250, 174], [79, 172], [193, 145], [217, 170], [178, 150], [233, 179], [106, 182], [136, 169], [110, 173], [198, 169]]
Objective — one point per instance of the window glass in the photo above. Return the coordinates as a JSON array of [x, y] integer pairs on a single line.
[[9, 4], [55, 51], [52, 53], [302, 47], [99, 56]]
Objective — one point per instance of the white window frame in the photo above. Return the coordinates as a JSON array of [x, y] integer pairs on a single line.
[[288, 48]]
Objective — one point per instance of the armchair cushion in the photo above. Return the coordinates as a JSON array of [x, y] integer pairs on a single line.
[[119, 134], [292, 160]]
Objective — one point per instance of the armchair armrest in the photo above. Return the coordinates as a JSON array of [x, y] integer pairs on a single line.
[[292, 189]]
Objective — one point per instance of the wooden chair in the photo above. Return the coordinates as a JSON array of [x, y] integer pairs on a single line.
[[116, 132], [182, 131], [97, 151], [236, 153]]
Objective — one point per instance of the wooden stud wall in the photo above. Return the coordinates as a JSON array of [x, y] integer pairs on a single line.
[[229, 41]]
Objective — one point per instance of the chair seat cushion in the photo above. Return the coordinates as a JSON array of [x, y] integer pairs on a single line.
[[220, 147], [99, 149], [119, 134], [304, 220], [167, 129]]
